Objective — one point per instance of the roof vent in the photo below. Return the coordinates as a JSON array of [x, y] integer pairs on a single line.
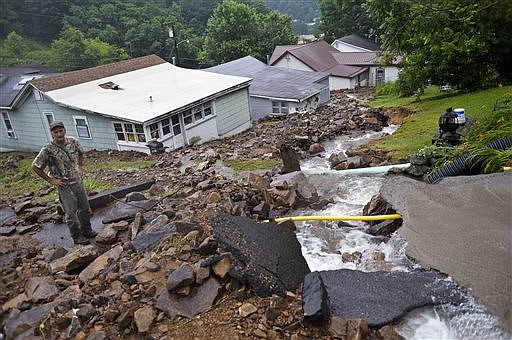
[[110, 86]]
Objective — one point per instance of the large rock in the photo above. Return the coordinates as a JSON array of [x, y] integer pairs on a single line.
[[29, 319], [7, 216], [384, 297], [183, 276], [461, 226], [189, 306], [100, 263], [265, 256], [150, 237], [127, 211], [76, 259], [296, 185], [41, 288]]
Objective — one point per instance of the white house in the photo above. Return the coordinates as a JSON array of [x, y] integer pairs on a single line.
[[126, 104]]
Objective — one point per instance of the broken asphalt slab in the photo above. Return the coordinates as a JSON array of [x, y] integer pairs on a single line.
[[378, 297], [265, 256], [462, 227]]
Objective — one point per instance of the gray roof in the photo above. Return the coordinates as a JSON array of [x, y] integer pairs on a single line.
[[319, 56], [356, 58], [360, 41], [274, 82], [12, 80]]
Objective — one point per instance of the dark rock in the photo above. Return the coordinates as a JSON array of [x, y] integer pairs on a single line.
[[148, 239], [74, 328], [183, 276], [135, 197], [314, 299], [197, 302], [20, 207], [85, 312], [265, 256], [41, 288], [185, 227], [385, 228], [27, 228], [76, 259], [289, 158], [124, 211], [288, 224], [7, 216], [377, 206], [262, 210], [6, 231], [30, 319], [208, 246], [384, 297], [316, 148], [97, 335]]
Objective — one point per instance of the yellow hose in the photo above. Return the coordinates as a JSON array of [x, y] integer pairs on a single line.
[[339, 218], [507, 168]]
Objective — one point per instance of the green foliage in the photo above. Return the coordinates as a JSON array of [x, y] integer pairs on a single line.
[[236, 30], [386, 89], [489, 127], [72, 51], [342, 17], [17, 50], [440, 42], [418, 129], [491, 160]]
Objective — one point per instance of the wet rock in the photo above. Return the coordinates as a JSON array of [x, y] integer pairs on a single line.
[[378, 206], [336, 159], [76, 259], [296, 184], [20, 207], [316, 148], [265, 256], [289, 158], [183, 276], [388, 333], [143, 318], [149, 238], [383, 297], [385, 228], [100, 264], [41, 288], [189, 306], [123, 211], [314, 299], [288, 224]]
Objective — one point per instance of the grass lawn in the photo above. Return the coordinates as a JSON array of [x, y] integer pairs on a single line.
[[417, 130]]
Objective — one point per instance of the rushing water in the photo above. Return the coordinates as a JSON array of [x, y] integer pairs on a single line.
[[324, 243]]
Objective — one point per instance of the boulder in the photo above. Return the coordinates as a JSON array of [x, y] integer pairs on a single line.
[[27, 320], [149, 238], [76, 259], [41, 288], [7, 216], [100, 263], [127, 211], [289, 158], [183, 276], [143, 318], [314, 299]]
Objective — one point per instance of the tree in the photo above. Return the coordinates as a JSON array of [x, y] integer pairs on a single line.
[[342, 17], [17, 50], [461, 42], [236, 30], [72, 51]]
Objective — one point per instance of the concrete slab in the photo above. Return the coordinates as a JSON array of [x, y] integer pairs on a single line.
[[462, 227]]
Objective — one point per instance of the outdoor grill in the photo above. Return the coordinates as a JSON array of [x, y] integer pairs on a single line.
[[448, 121], [155, 146]]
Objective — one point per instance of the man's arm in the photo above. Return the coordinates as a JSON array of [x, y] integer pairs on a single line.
[[53, 181]]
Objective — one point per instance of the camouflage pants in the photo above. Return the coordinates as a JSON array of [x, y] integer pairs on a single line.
[[76, 206]]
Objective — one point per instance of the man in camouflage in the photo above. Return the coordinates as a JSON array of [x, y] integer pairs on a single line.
[[64, 158]]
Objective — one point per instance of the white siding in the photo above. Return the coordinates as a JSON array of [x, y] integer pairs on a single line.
[[343, 47], [290, 61], [339, 83], [233, 112], [204, 130], [390, 74]]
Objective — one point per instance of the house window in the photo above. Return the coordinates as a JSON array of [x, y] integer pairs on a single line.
[[187, 117], [197, 113], [82, 127], [129, 132], [380, 76], [166, 126], [279, 107], [8, 125], [49, 117], [154, 131], [176, 127], [38, 95]]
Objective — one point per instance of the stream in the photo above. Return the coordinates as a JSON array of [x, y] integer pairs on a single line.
[[323, 244]]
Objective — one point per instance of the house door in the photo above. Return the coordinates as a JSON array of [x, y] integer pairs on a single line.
[[380, 76]]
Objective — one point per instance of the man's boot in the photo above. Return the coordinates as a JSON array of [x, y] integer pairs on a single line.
[[80, 240]]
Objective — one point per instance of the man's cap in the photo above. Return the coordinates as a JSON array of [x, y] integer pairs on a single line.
[[54, 125]]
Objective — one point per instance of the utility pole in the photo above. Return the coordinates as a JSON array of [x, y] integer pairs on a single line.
[[172, 34]]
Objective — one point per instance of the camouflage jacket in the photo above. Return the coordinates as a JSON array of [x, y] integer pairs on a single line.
[[61, 160]]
